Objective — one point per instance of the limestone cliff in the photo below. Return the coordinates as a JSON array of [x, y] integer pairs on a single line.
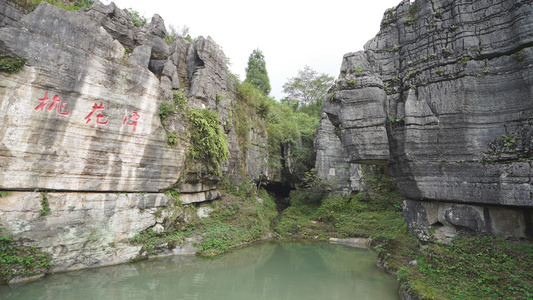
[[443, 97], [81, 123]]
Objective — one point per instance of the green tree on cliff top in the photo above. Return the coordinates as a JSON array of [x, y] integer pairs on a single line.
[[256, 72], [306, 91]]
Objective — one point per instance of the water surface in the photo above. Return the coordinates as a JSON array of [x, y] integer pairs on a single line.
[[269, 271]]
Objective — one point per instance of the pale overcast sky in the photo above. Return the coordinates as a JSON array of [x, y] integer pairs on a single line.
[[291, 34]]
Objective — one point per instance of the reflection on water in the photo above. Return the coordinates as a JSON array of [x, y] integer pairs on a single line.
[[265, 271]]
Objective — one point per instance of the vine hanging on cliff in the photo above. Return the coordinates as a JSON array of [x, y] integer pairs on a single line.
[[208, 142]]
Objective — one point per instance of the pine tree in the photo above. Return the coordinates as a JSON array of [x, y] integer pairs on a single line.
[[256, 72]]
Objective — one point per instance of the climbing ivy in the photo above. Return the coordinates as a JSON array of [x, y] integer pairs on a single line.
[[44, 204], [208, 142]]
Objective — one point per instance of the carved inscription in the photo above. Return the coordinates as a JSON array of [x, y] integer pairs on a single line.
[[130, 118]]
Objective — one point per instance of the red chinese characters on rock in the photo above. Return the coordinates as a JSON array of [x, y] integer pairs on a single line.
[[134, 118], [130, 119], [56, 102], [99, 117]]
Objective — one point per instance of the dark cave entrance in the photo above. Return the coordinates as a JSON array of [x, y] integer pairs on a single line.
[[280, 191]]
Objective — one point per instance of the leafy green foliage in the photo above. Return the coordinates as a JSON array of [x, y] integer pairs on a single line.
[[153, 243], [219, 99], [208, 141], [44, 204], [375, 214], [166, 109], [358, 217], [30, 5], [297, 219], [174, 32], [479, 267], [508, 140], [240, 218], [256, 72], [255, 98], [251, 108], [292, 124], [18, 260], [180, 100], [287, 128], [11, 65], [172, 138], [413, 14], [383, 193], [292, 130], [136, 18], [237, 219], [464, 60], [307, 90], [84, 3], [174, 193]]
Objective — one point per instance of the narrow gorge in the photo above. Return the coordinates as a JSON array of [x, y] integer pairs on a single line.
[[116, 142]]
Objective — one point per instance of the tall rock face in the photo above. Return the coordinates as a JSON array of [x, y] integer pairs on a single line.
[[81, 123], [80, 116], [443, 95], [332, 163]]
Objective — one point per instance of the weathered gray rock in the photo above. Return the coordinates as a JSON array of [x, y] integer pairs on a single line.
[[206, 67], [200, 197], [357, 102], [117, 22], [332, 162], [352, 242], [171, 72], [95, 69], [10, 13], [121, 146], [82, 118], [443, 95], [153, 34], [179, 50], [141, 56], [211, 86], [443, 221], [404, 295], [82, 229]]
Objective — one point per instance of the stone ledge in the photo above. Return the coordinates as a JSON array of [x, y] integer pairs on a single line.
[[200, 197], [442, 221]]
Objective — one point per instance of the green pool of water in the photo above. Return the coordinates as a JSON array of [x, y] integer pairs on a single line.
[[274, 271]]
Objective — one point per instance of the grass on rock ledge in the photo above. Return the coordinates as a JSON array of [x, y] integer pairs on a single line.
[[238, 218], [374, 214], [473, 267], [18, 260]]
